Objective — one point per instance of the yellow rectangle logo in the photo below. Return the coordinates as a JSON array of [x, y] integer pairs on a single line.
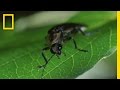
[[8, 28]]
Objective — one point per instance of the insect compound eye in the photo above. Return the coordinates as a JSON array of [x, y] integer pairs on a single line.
[[59, 46]]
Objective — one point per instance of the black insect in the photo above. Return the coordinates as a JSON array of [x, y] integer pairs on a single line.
[[58, 35]]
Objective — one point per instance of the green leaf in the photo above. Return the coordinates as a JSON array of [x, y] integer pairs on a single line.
[[20, 53]]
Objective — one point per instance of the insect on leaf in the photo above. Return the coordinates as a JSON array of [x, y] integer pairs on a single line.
[[20, 55]]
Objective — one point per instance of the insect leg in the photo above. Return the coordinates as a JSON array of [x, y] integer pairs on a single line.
[[44, 66], [58, 56], [77, 47], [48, 60], [43, 55], [82, 32]]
